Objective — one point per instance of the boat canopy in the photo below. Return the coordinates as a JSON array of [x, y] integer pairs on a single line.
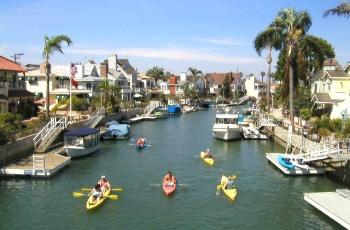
[[81, 132], [118, 129], [226, 115]]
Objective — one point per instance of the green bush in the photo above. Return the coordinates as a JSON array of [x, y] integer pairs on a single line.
[[305, 113]]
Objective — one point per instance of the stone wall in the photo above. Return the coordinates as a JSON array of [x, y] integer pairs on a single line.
[[17, 149]]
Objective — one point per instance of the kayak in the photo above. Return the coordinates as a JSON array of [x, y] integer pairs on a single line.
[[91, 206], [230, 193], [209, 161], [141, 145], [285, 162], [168, 189]]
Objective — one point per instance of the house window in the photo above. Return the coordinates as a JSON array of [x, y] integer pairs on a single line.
[[33, 81], [341, 83], [88, 86], [315, 88], [329, 86], [239, 87]]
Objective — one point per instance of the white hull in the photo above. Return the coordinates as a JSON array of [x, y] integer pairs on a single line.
[[76, 151], [227, 133]]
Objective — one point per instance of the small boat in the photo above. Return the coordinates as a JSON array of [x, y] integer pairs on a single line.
[[204, 105], [251, 132], [140, 145], [174, 109], [285, 162], [230, 193], [91, 206], [209, 161], [187, 109], [168, 189], [161, 114], [82, 141], [116, 131]]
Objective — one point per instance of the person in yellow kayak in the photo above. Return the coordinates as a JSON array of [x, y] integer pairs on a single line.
[[96, 193], [104, 183], [169, 179], [229, 184], [208, 154]]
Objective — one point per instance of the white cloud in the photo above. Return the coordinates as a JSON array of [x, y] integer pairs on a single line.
[[179, 54], [3, 48], [221, 41]]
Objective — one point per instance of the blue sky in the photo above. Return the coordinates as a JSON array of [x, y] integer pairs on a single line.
[[214, 36]]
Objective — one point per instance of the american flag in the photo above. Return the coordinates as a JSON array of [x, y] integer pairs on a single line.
[[73, 71]]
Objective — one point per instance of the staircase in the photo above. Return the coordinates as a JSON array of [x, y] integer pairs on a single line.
[[242, 100], [95, 118], [39, 165], [49, 133], [149, 109]]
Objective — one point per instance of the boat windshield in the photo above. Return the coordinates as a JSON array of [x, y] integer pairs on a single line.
[[226, 121], [91, 140], [76, 141], [85, 142]]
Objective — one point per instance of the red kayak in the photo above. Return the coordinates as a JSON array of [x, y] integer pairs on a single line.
[[169, 188]]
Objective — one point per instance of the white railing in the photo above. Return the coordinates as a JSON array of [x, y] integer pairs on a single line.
[[54, 123], [149, 109], [95, 116], [39, 164]]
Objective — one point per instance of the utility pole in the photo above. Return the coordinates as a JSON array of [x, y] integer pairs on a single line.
[[17, 56]]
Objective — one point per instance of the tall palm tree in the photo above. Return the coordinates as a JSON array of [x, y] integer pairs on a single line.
[[262, 73], [195, 73], [268, 39], [293, 26], [51, 45], [343, 9], [111, 94], [156, 73]]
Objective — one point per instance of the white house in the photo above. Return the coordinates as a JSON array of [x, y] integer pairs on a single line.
[[164, 87], [253, 86]]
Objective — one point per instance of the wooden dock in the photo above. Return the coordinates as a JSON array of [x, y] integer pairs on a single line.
[[51, 163], [272, 157], [336, 205]]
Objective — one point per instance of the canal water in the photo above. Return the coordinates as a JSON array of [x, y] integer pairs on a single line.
[[267, 199]]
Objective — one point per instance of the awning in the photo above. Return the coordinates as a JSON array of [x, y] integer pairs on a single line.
[[81, 132]]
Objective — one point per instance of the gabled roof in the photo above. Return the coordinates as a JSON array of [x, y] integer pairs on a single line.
[[336, 73], [322, 98], [125, 65], [218, 78], [8, 65]]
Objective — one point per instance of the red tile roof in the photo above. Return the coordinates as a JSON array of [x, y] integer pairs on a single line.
[[8, 65]]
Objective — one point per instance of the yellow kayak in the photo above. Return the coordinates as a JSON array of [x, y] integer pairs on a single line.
[[209, 161], [91, 206], [230, 193]]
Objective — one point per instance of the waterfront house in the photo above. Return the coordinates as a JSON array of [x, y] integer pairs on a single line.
[[164, 87], [215, 82], [330, 88], [12, 88], [254, 87]]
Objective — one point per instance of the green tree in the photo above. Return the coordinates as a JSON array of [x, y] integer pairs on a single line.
[[111, 97], [195, 73], [226, 87], [343, 9], [9, 125], [52, 45], [268, 39], [156, 73], [293, 26]]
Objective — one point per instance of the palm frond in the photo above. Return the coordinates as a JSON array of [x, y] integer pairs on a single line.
[[342, 9]]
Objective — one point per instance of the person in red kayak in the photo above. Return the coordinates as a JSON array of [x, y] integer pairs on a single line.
[[104, 183], [169, 179]]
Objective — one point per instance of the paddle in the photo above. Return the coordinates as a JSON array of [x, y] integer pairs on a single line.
[[79, 194], [113, 189], [218, 188]]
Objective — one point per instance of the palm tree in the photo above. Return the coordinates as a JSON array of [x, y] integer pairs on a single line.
[[343, 9], [111, 94], [268, 39], [52, 45], [293, 26], [156, 73], [262, 73], [195, 73]]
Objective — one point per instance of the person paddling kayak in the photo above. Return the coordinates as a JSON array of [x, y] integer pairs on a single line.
[[96, 193], [104, 183], [169, 179], [208, 154]]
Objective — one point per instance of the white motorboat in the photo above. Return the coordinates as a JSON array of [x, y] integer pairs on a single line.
[[226, 127], [81, 142], [250, 132]]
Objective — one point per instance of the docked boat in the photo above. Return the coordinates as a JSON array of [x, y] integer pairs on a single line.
[[116, 131], [207, 160], [169, 189], [226, 127], [81, 142], [161, 113], [250, 132], [204, 105], [174, 109], [90, 205], [230, 193], [187, 109]]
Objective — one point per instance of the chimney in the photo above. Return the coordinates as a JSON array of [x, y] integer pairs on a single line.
[[112, 62], [103, 69], [43, 68]]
